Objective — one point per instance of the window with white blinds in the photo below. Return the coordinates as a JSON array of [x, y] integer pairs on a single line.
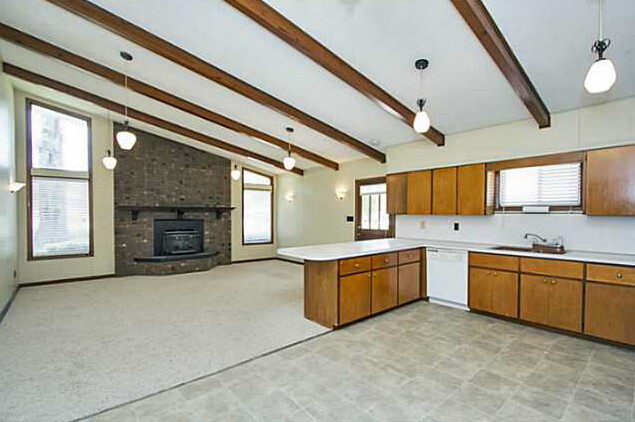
[[557, 185], [59, 189], [257, 208]]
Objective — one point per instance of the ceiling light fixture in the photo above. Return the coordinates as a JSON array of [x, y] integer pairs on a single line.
[[125, 138], [235, 173], [109, 161], [602, 75], [289, 161], [421, 123]]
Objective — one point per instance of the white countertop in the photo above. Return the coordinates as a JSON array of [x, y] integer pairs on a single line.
[[333, 251]]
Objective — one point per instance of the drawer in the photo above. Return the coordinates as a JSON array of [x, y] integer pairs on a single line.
[[494, 261], [384, 260], [411, 255], [611, 274], [354, 265], [552, 267]]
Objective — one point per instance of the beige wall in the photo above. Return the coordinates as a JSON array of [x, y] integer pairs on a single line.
[[316, 215], [102, 263], [242, 252], [8, 239]]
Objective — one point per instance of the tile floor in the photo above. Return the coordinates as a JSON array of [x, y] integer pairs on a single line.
[[421, 362]]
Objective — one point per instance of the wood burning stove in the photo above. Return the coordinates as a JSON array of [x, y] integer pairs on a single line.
[[178, 237]]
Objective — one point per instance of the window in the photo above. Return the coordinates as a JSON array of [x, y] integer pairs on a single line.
[[257, 208], [59, 172], [373, 213], [558, 186]]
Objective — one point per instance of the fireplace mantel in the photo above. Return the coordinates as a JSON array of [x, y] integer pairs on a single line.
[[178, 209]]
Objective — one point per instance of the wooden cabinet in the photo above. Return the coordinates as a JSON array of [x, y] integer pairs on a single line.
[[419, 192], [552, 267], [493, 291], [354, 297], [610, 181], [384, 289], [409, 282], [614, 274], [444, 190], [384, 260], [396, 191], [494, 261], [355, 265], [609, 312], [471, 188], [551, 301], [423, 274], [408, 256]]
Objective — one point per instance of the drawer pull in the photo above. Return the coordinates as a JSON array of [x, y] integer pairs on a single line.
[[553, 281], [495, 274], [386, 261], [619, 275], [356, 265], [544, 280]]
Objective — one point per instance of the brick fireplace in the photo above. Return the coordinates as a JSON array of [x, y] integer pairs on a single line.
[[172, 208]]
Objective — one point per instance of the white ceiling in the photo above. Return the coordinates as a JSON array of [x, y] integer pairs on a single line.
[[381, 38]]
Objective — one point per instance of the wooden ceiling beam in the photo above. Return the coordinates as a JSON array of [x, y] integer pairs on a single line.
[[477, 17], [38, 79], [163, 48], [35, 44], [280, 26]]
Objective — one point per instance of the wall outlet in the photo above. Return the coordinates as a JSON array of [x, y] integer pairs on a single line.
[[456, 226], [422, 224]]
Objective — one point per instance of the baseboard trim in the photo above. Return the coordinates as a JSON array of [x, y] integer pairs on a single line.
[[5, 310], [276, 258], [66, 280]]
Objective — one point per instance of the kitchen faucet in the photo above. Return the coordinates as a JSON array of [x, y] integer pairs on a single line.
[[540, 238], [540, 244]]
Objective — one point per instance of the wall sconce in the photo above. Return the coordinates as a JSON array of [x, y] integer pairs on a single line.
[[341, 194], [14, 187], [289, 197]]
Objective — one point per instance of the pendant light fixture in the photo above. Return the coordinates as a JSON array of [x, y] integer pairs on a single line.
[[421, 123], [235, 173], [109, 161], [289, 161], [602, 75], [125, 138]]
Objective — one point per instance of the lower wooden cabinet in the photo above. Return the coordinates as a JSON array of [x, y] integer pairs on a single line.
[[556, 302], [354, 297], [384, 289], [609, 312], [409, 282], [493, 291]]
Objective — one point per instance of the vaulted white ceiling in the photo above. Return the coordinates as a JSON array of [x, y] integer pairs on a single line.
[[380, 38]]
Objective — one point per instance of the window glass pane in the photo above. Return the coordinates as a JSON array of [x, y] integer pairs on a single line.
[[365, 212], [60, 216], [377, 188], [252, 178], [553, 185], [384, 221], [374, 212], [58, 141], [257, 216]]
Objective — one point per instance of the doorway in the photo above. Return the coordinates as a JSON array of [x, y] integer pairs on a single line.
[[371, 219]]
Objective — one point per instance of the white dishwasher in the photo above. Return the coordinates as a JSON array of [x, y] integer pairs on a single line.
[[447, 277]]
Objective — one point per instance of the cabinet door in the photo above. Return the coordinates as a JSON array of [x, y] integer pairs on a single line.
[[556, 302], [354, 297], [610, 181], [444, 191], [493, 291], [419, 192], [396, 193], [424, 274], [609, 312], [384, 289], [409, 282], [471, 189]]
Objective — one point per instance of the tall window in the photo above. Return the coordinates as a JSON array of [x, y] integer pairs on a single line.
[[257, 208], [59, 172], [371, 219], [557, 186]]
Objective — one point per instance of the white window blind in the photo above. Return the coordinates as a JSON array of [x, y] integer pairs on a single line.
[[257, 208], [551, 185]]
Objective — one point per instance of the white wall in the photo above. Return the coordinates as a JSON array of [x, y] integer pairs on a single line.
[[103, 261], [8, 239], [242, 252], [316, 215], [605, 125]]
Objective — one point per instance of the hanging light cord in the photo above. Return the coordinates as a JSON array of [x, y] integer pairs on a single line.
[[601, 44]]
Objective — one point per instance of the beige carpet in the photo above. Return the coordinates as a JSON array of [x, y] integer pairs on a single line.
[[70, 350]]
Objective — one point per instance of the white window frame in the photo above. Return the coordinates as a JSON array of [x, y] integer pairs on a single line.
[[257, 187]]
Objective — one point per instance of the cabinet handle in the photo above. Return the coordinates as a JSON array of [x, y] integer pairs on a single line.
[[386, 261], [495, 274], [544, 280], [619, 275], [553, 281], [356, 265]]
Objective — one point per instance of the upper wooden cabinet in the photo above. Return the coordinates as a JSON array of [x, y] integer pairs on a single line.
[[610, 181], [471, 187], [396, 188], [444, 188], [419, 196]]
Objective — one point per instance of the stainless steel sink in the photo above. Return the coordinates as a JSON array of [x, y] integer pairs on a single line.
[[534, 249]]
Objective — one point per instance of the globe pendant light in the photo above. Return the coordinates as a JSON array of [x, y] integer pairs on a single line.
[[235, 173], [421, 122], [125, 138], [289, 162], [602, 75], [109, 161]]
